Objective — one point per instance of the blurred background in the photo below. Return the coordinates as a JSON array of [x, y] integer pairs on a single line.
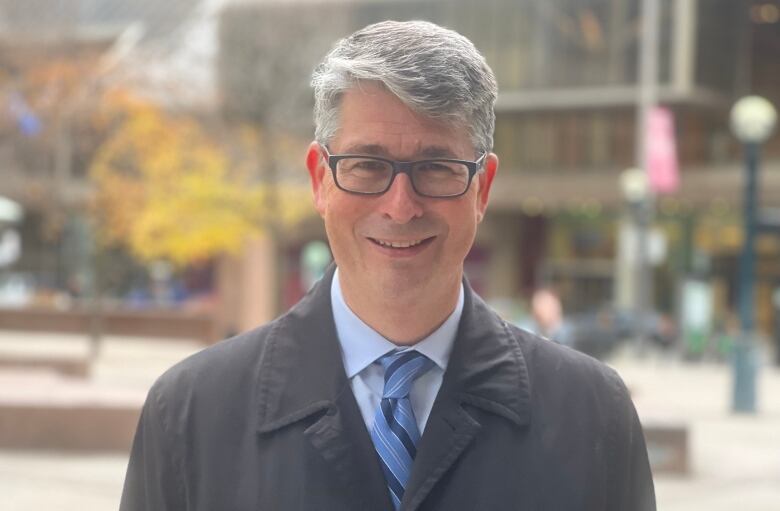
[[153, 200]]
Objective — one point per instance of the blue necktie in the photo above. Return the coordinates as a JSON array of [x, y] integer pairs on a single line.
[[395, 433]]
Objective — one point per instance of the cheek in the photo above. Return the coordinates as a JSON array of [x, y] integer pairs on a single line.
[[462, 225], [339, 238], [341, 213], [326, 197]]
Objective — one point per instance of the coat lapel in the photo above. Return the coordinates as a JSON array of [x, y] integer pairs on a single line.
[[486, 370], [301, 375], [341, 438]]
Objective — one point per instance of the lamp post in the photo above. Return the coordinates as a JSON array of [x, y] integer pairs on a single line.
[[636, 184], [638, 195], [752, 121]]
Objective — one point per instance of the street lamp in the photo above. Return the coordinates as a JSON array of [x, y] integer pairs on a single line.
[[636, 190], [635, 185], [10, 211], [752, 121]]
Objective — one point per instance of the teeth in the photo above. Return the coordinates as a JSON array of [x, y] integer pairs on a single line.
[[399, 244]]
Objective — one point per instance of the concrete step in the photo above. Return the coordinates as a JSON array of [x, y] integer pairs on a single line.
[[46, 411], [52, 399], [66, 366], [69, 357]]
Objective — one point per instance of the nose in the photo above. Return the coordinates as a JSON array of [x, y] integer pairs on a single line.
[[400, 203]]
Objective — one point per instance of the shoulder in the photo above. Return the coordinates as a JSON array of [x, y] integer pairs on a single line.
[[239, 357], [226, 359], [223, 375], [553, 367], [554, 373], [573, 390]]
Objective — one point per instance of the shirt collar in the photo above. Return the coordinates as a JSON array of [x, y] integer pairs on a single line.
[[361, 345]]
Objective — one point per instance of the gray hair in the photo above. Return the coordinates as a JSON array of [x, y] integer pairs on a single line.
[[434, 71]]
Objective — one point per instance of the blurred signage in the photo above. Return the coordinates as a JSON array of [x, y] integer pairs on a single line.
[[656, 247], [697, 306], [655, 250], [662, 168]]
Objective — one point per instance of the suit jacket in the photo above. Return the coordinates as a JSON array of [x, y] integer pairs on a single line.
[[267, 421]]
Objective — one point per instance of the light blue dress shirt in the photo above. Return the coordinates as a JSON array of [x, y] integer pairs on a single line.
[[361, 346]]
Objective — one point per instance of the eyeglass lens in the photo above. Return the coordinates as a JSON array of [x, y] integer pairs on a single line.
[[433, 178]]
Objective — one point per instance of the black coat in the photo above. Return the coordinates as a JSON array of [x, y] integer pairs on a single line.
[[267, 421]]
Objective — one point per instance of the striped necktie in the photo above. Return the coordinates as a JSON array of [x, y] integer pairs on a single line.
[[395, 433]]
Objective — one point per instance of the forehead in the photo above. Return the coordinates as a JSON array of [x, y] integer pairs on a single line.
[[371, 116]]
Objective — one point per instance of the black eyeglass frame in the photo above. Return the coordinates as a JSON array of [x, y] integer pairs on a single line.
[[404, 167]]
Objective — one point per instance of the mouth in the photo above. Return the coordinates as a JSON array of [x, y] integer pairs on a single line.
[[401, 245]]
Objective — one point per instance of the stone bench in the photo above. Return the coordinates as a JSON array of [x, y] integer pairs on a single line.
[[667, 447]]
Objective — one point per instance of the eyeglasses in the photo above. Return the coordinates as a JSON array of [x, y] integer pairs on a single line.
[[372, 175]]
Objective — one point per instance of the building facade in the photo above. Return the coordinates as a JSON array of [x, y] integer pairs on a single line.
[[566, 130]]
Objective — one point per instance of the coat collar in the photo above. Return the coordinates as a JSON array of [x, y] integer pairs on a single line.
[[487, 368], [301, 372], [301, 376]]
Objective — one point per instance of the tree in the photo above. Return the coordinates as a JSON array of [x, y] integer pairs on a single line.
[[168, 188]]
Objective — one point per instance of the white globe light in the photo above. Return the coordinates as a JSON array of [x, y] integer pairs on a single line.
[[10, 211], [753, 119], [634, 183]]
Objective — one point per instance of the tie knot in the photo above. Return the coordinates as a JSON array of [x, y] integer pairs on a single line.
[[401, 369]]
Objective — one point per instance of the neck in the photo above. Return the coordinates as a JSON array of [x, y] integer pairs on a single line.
[[403, 316]]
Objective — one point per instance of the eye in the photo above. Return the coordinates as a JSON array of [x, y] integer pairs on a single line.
[[436, 166], [365, 165], [441, 170], [368, 165]]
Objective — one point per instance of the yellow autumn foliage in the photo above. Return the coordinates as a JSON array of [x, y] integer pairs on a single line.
[[167, 190]]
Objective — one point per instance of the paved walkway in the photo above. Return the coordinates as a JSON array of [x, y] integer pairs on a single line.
[[61, 481], [735, 459]]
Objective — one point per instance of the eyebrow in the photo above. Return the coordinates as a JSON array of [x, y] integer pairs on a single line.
[[371, 149], [380, 150]]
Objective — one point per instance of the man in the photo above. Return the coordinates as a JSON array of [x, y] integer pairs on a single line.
[[547, 316], [391, 385]]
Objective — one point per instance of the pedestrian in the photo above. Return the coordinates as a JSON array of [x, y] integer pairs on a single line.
[[391, 384], [548, 319]]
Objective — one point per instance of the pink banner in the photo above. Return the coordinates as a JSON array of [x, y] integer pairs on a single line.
[[662, 168]]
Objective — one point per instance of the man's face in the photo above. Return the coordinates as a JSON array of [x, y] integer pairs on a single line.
[[398, 242]]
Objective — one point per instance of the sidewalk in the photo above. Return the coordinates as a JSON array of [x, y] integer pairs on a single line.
[[735, 460], [72, 481]]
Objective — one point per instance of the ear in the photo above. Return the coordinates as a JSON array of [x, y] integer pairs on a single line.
[[485, 180], [316, 164]]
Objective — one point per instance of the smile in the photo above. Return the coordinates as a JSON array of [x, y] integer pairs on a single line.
[[399, 244]]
